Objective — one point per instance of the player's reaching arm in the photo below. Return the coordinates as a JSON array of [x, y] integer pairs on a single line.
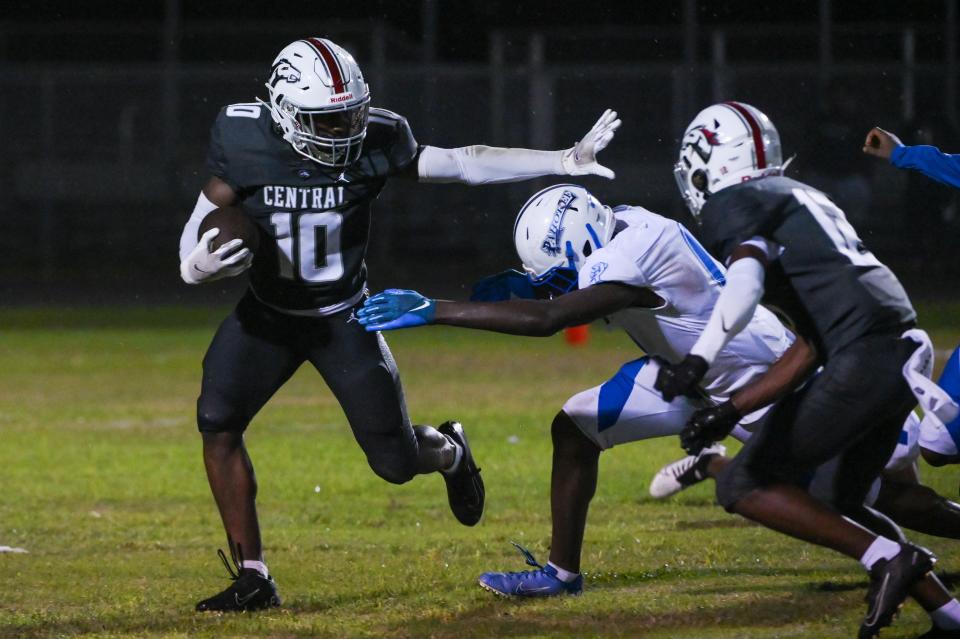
[[929, 160], [397, 308], [734, 308], [480, 164], [712, 424]]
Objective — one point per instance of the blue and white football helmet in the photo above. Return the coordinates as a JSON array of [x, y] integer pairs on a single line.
[[556, 231]]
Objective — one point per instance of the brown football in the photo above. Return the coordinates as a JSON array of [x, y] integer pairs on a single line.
[[234, 223]]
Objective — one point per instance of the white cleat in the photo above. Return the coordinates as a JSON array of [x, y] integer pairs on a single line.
[[683, 473]]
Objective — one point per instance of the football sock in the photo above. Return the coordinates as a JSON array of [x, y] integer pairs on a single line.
[[881, 548], [947, 616], [563, 575], [259, 566], [457, 456]]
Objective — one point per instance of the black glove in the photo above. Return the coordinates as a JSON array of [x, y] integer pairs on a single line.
[[674, 380], [708, 425]]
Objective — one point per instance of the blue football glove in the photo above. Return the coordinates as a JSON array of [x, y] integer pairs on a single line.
[[396, 308], [502, 286]]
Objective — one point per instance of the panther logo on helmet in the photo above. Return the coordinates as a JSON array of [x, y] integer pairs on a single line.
[[283, 69], [699, 136]]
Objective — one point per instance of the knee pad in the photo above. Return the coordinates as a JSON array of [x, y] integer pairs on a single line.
[[217, 414]]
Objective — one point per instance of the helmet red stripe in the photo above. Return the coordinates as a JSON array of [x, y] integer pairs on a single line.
[[754, 129], [330, 61]]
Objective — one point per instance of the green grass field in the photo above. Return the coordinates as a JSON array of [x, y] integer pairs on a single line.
[[102, 482]]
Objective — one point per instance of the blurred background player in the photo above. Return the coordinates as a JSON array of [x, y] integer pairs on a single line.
[[939, 442], [650, 277], [783, 238], [927, 159], [306, 165]]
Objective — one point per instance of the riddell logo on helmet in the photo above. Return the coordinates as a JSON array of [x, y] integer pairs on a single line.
[[343, 97]]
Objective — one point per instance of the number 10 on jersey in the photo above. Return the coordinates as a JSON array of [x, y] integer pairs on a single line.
[[309, 245]]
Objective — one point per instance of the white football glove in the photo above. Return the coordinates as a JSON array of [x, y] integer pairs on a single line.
[[582, 158], [204, 265]]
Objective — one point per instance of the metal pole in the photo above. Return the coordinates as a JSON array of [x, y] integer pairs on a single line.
[[541, 98], [378, 55], [428, 56], [48, 213], [428, 25], [170, 98], [909, 74], [826, 45], [951, 64], [690, 54], [719, 56], [497, 88]]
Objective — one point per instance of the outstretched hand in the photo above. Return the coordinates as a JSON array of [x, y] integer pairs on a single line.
[[582, 158], [396, 308], [880, 143]]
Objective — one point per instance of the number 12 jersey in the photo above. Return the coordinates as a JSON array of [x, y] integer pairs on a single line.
[[824, 279]]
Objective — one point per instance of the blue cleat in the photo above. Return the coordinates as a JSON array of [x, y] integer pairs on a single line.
[[542, 582]]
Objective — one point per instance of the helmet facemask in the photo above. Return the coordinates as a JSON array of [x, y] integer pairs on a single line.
[[331, 137]]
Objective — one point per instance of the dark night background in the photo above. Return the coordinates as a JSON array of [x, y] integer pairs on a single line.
[[105, 108]]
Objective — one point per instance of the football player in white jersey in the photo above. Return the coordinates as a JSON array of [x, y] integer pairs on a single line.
[[646, 274]]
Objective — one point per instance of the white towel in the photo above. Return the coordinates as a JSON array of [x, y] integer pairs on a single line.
[[917, 371]]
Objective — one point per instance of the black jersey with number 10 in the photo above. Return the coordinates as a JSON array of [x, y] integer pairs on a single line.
[[825, 279], [317, 217]]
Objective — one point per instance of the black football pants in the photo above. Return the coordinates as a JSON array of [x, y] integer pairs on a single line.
[[257, 349], [854, 409]]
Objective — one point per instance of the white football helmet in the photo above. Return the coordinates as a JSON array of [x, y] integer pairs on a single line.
[[556, 230], [727, 143], [320, 101]]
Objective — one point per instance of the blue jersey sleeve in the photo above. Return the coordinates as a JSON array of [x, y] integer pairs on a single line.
[[950, 382], [930, 161]]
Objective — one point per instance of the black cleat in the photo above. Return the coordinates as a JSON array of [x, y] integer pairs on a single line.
[[890, 579], [464, 486], [940, 633], [249, 591]]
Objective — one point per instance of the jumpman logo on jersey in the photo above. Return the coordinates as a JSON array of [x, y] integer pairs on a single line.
[[343, 178]]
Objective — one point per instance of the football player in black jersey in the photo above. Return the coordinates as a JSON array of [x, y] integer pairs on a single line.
[[785, 239], [306, 165]]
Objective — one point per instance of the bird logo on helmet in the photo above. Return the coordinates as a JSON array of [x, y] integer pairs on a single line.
[[319, 101], [556, 231], [725, 144]]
